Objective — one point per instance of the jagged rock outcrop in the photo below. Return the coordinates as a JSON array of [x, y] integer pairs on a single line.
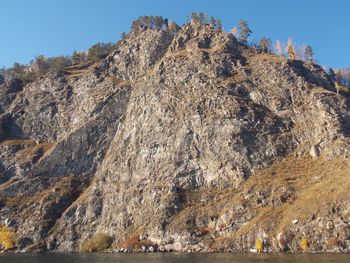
[[171, 138]]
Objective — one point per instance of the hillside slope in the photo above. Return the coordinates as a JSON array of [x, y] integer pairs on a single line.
[[187, 142]]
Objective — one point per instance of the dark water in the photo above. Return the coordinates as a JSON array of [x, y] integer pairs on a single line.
[[172, 258]]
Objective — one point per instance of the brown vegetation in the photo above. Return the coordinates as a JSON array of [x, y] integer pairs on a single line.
[[97, 243], [134, 242]]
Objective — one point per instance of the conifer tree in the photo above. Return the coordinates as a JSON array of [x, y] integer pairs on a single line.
[[203, 18], [244, 31], [265, 45], [309, 53], [195, 18], [218, 25], [212, 21], [158, 21], [76, 57], [166, 24], [122, 35]]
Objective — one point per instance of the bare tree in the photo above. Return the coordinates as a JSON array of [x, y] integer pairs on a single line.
[[278, 48]]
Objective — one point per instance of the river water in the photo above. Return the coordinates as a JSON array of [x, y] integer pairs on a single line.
[[173, 258]]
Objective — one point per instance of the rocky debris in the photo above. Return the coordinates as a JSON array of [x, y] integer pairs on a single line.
[[161, 140], [295, 221], [314, 152]]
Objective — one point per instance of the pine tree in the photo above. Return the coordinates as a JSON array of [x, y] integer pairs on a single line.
[[332, 74], [135, 26], [166, 24], [265, 45], [42, 65], [195, 20], [309, 53], [158, 21], [218, 25], [203, 18], [76, 58], [212, 21], [122, 35], [148, 21], [244, 31]]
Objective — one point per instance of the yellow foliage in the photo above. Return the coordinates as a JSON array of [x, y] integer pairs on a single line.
[[304, 244], [259, 245], [7, 237], [341, 88], [291, 49], [291, 52]]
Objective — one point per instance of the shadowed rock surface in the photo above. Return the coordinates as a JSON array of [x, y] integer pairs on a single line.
[[187, 142]]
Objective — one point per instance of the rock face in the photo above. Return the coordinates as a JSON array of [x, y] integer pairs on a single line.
[[172, 138]]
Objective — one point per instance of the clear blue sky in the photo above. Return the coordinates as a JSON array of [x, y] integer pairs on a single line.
[[58, 27]]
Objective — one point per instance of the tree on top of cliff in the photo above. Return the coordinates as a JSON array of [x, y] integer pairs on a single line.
[[308, 53], [290, 49], [99, 51], [244, 31], [265, 45]]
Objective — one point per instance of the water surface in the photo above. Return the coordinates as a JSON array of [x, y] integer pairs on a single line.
[[172, 258]]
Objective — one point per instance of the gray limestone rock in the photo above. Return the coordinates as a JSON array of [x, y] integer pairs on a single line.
[[126, 147]]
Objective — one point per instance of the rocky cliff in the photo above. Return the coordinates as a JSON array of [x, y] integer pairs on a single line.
[[184, 142]]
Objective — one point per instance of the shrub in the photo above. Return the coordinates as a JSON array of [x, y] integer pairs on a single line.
[[333, 243], [7, 238], [134, 242], [304, 244], [259, 245], [98, 242], [205, 230]]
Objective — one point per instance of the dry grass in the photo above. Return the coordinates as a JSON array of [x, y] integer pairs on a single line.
[[180, 53], [18, 142], [63, 187], [205, 230], [34, 150], [333, 243], [78, 70], [313, 186], [267, 57]]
